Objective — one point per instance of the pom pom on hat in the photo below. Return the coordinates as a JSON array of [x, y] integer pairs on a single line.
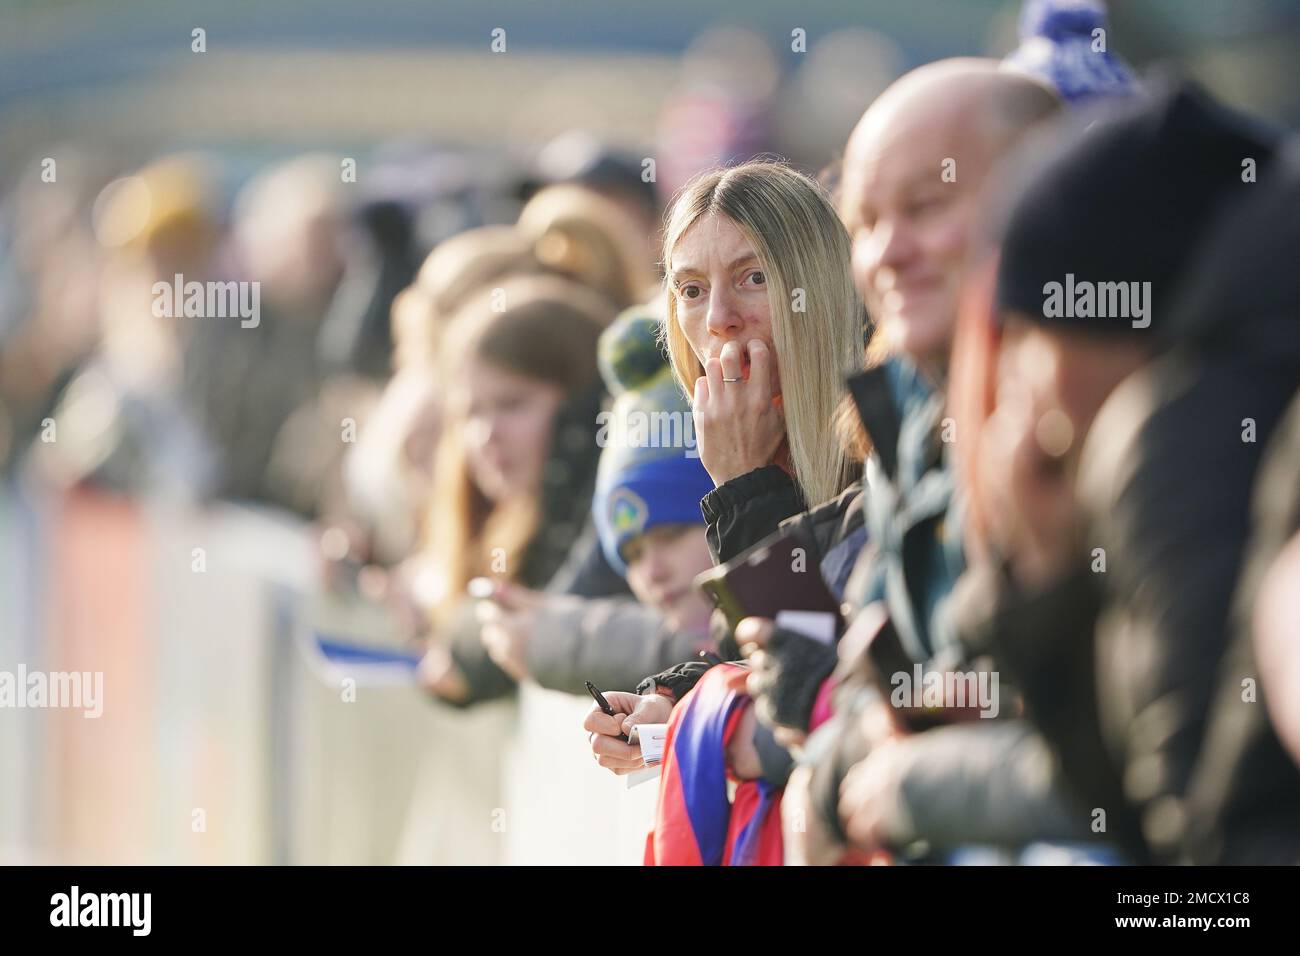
[[629, 353], [1058, 44]]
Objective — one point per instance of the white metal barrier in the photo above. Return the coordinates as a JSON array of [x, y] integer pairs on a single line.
[[220, 744]]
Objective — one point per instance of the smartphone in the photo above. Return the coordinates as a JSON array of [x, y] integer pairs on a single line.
[[777, 574]]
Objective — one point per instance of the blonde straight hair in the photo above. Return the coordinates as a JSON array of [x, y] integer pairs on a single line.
[[804, 252]]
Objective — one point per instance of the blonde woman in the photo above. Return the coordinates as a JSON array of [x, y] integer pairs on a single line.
[[763, 325]]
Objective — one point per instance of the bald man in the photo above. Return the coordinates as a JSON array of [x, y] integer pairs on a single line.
[[914, 175], [914, 171]]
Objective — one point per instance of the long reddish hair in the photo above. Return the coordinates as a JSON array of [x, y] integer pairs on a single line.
[[972, 387]]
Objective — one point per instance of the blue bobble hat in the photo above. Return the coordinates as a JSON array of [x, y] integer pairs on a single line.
[[1060, 43]]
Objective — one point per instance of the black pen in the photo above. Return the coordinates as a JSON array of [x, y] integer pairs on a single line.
[[603, 704], [713, 659]]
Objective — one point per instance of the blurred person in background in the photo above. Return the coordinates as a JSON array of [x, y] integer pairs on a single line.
[[569, 231], [646, 510], [1266, 753], [580, 234], [720, 112], [516, 452], [388, 472], [123, 421], [1101, 578], [580, 158], [455, 269], [1242, 306], [836, 79], [287, 226], [380, 256], [49, 275]]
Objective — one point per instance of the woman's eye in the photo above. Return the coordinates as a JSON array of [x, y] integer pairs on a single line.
[[690, 292], [756, 278]]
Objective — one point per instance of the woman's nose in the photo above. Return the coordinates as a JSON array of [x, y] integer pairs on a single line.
[[725, 319]]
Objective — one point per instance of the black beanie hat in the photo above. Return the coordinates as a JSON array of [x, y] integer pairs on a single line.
[[1101, 227], [1242, 291]]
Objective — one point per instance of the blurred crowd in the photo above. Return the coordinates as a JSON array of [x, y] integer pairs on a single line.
[[1015, 368]]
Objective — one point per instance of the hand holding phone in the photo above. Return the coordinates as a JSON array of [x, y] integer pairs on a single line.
[[774, 575]]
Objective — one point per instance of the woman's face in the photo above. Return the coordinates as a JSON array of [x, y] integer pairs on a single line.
[[720, 291], [507, 424], [661, 566]]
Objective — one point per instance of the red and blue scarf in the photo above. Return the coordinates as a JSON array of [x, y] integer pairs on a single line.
[[696, 824]]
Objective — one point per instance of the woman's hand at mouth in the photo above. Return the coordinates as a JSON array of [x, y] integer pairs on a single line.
[[737, 425]]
